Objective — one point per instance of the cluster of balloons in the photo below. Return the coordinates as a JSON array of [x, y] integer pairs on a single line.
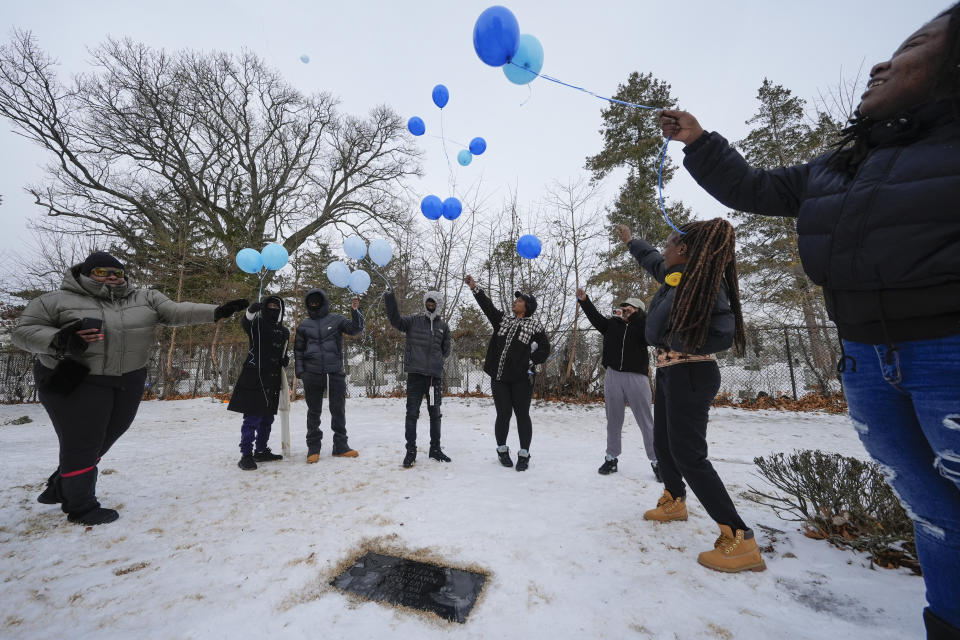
[[273, 258], [499, 43], [339, 274]]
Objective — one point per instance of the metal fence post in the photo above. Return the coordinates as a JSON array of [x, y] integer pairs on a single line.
[[793, 380]]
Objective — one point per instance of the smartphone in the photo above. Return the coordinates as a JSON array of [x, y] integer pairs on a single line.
[[91, 323]]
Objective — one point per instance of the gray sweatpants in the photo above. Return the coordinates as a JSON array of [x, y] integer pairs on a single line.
[[620, 388]]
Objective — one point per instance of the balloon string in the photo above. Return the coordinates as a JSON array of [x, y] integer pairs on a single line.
[[587, 91], [530, 95], [452, 179], [663, 158]]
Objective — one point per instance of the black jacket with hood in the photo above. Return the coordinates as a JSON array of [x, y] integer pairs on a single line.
[[428, 336], [257, 390], [509, 352], [318, 346], [658, 330], [624, 345]]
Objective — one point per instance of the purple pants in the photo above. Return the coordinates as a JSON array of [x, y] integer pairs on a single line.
[[255, 429]]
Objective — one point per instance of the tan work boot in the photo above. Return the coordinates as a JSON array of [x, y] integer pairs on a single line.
[[668, 508], [733, 552], [349, 453], [313, 458]]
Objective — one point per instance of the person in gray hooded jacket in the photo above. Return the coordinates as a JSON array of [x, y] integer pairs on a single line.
[[92, 338], [427, 346]]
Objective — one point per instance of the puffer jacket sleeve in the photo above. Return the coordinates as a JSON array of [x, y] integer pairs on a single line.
[[725, 174], [36, 326], [445, 342], [354, 325], [494, 315], [178, 314], [595, 317], [649, 258], [402, 323], [299, 346], [543, 347]]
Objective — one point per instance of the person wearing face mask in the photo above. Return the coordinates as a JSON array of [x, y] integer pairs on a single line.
[[625, 381], [879, 231], [257, 392], [427, 346], [318, 358], [93, 338], [517, 341]]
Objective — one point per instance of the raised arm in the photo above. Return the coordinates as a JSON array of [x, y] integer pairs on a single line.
[[486, 305], [597, 319], [355, 324], [399, 322]]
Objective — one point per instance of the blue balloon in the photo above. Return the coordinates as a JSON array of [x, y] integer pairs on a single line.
[[432, 207], [478, 146], [496, 36], [416, 126], [380, 252], [528, 246], [249, 260], [304, 58], [464, 157], [526, 62], [452, 208], [338, 273], [359, 281], [275, 257], [355, 247], [440, 96]]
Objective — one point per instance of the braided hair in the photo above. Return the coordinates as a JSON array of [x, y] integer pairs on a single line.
[[853, 146], [712, 261]]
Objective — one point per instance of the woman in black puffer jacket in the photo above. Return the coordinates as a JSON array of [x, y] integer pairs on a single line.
[[879, 229]]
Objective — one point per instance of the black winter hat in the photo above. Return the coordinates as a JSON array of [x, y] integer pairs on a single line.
[[530, 300], [99, 259]]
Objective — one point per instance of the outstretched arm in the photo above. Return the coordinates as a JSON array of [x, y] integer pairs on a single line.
[[355, 325], [399, 322], [644, 252], [486, 305], [595, 317]]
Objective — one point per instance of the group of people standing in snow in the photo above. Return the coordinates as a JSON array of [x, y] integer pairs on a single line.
[[878, 229]]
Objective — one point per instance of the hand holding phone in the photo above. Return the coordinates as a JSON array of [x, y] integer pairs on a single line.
[[91, 329]]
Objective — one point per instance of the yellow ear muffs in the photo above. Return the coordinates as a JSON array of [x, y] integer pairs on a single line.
[[673, 279]]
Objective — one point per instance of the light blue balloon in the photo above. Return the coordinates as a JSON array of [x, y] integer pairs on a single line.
[[249, 260], [338, 273], [432, 207], [452, 208], [275, 257], [380, 252], [464, 157], [415, 126], [355, 247], [304, 58], [441, 95], [526, 62], [359, 281], [528, 246], [478, 146]]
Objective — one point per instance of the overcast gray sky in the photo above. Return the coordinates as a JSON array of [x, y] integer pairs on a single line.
[[714, 54]]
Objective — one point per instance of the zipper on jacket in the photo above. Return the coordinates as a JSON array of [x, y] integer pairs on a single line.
[[623, 345]]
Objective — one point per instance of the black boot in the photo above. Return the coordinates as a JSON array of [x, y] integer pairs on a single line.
[[938, 628], [522, 462], [437, 454], [656, 471], [608, 467], [266, 456], [52, 495], [504, 456], [80, 500], [247, 463], [411, 457]]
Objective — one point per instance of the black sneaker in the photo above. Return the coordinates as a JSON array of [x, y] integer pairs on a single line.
[[94, 516], [505, 459], [437, 454], [247, 463], [522, 462], [266, 456], [51, 495], [608, 467], [410, 458], [656, 471]]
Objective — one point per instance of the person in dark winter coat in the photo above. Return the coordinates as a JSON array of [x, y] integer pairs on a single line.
[[517, 341], [427, 346], [93, 338], [878, 229], [627, 364], [695, 313], [257, 392], [318, 357]]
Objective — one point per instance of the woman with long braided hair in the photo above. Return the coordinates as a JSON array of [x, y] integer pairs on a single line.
[[879, 230], [695, 313]]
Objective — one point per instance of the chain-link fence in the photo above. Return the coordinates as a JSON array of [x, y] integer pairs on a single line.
[[779, 361]]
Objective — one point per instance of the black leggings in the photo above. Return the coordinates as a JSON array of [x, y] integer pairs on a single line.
[[513, 397], [683, 397]]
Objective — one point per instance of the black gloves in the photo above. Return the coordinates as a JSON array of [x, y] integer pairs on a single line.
[[66, 341], [284, 360], [256, 306], [227, 309]]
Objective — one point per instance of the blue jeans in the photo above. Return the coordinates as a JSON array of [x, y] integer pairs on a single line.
[[905, 404], [255, 430]]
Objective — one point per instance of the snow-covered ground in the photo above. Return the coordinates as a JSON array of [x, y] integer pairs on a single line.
[[205, 550]]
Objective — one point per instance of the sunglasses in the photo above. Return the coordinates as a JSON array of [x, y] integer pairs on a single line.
[[106, 272]]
